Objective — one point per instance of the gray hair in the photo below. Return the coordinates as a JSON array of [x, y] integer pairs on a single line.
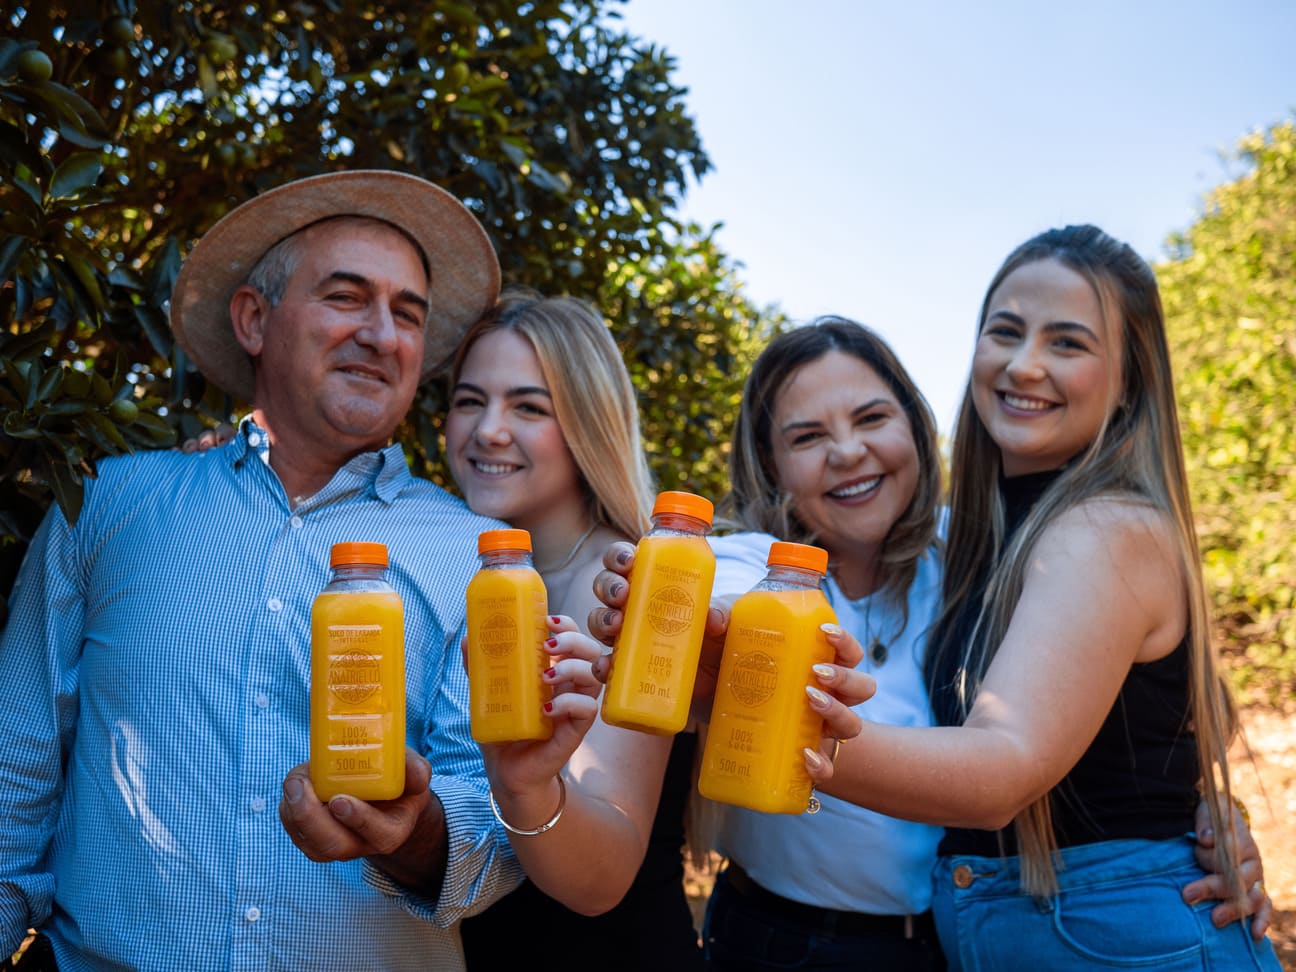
[[271, 274]]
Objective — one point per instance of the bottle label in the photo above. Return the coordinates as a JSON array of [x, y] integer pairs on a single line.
[[498, 635], [354, 672], [670, 610], [755, 677]]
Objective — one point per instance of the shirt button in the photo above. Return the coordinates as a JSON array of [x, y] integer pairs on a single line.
[[258, 805], [254, 439], [296, 522], [274, 604], [963, 876], [262, 700], [252, 914]]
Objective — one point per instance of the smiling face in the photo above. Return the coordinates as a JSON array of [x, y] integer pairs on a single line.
[[1046, 370], [843, 449], [339, 356], [505, 447]]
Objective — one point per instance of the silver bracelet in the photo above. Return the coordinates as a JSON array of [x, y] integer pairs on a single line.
[[547, 825]]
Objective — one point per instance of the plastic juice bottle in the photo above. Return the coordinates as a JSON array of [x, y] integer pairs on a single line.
[[357, 707], [761, 720], [507, 606], [655, 661]]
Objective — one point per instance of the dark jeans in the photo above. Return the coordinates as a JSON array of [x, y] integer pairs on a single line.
[[746, 932]]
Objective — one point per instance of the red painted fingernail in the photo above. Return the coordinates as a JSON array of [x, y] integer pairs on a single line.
[[548, 706], [551, 643], [553, 619], [550, 673]]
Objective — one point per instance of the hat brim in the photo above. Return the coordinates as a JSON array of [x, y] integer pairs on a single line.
[[465, 275]]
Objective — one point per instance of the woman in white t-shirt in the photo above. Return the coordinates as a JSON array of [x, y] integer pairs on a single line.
[[835, 446]]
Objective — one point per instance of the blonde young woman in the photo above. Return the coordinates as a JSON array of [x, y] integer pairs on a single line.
[[1071, 665], [542, 432]]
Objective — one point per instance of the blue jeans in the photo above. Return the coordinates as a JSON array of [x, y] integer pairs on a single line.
[[1118, 907], [744, 935]]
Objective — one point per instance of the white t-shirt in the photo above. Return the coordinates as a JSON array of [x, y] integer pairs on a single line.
[[845, 857]]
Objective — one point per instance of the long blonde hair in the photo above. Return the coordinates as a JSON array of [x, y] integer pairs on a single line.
[[1137, 453], [593, 399]]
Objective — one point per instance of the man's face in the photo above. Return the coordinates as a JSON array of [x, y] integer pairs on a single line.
[[340, 355]]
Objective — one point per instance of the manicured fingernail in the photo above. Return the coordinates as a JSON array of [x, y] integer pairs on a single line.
[[548, 706], [814, 757], [293, 789], [553, 620], [1192, 896], [341, 807], [818, 699], [826, 672], [608, 618], [550, 674], [551, 642], [623, 557], [831, 629], [616, 589]]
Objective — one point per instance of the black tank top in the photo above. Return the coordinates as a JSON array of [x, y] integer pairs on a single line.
[[1137, 779]]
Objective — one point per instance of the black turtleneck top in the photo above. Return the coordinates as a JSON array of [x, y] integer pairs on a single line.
[[1138, 778]]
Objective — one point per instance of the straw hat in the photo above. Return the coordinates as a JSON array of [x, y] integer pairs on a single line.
[[465, 273]]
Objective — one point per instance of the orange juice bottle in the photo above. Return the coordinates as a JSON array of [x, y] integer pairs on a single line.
[[656, 656], [507, 606], [761, 719], [357, 705]]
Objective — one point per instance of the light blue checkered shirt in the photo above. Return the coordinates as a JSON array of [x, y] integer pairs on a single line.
[[154, 693]]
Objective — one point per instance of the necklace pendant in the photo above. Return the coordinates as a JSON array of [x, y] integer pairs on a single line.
[[877, 652], [814, 804]]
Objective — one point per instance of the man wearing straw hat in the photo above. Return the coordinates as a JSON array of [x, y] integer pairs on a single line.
[[154, 671]]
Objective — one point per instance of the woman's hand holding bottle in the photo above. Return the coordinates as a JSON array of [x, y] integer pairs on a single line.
[[522, 773], [838, 686]]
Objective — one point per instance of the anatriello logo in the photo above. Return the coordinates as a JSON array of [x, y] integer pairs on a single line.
[[670, 610], [755, 676], [354, 674], [498, 635]]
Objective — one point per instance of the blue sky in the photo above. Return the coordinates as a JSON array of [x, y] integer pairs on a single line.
[[879, 160]]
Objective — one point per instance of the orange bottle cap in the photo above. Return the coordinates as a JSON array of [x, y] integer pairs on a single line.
[[358, 552], [503, 540], [690, 504], [802, 555]]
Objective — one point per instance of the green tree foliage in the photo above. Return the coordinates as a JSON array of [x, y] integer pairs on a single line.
[[125, 132], [691, 328], [1230, 298]]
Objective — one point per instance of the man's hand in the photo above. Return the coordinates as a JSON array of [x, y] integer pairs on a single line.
[[405, 837]]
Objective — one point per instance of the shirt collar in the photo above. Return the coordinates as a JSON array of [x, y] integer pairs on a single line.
[[384, 472]]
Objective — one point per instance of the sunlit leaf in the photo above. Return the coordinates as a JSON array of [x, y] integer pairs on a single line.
[[77, 172]]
